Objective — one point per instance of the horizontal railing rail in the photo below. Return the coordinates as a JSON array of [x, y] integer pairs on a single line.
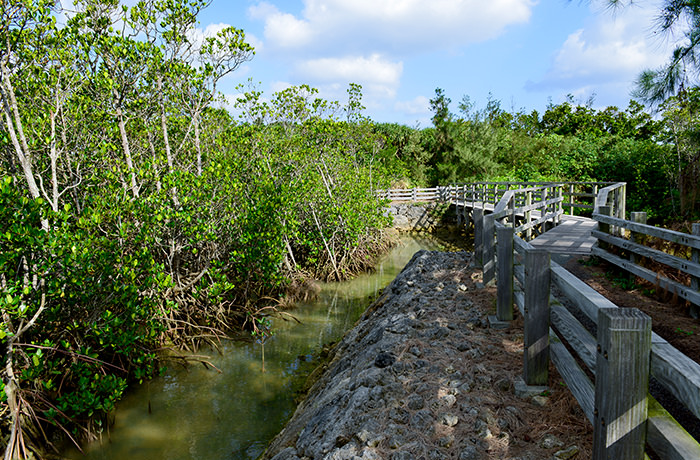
[[624, 353]]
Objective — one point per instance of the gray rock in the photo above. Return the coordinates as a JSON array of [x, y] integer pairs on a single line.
[[415, 401], [449, 419], [289, 453], [566, 454], [550, 441], [469, 453]]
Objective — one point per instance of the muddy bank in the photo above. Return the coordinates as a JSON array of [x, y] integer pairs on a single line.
[[422, 376]]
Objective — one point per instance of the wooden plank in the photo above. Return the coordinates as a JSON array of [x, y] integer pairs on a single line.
[[536, 328], [575, 335], [667, 437], [538, 221], [489, 254], [622, 384], [651, 276], [679, 374], [519, 297], [572, 236], [478, 217], [587, 299], [576, 380], [695, 281], [675, 371], [683, 265], [538, 205], [504, 308], [519, 273], [668, 235], [521, 245]]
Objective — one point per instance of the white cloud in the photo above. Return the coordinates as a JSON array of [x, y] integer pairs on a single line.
[[612, 50], [417, 106], [379, 76], [283, 30], [408, 25], [374, 69]]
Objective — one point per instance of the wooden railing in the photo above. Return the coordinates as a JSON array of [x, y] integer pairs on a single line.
[[631, 254], [625, 351], [418, 194], [576, 195]]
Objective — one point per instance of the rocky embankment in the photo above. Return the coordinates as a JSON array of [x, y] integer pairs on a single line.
[[423, 377]]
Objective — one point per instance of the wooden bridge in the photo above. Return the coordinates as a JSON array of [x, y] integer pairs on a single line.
[[517, 227], [539, 207]]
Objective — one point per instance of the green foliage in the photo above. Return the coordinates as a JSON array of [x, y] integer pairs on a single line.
[[136, 215]]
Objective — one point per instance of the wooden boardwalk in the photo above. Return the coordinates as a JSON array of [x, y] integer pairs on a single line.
[[572, 236]]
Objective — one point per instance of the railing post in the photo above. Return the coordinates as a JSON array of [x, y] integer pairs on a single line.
[[694, 280], [602, 226], [559, 207], [489, 263], [571, 199], [528, 202], [413, 194], [478, 217], [621, 384], [639, 218], [504, 309], [545, 210], [536, 328]]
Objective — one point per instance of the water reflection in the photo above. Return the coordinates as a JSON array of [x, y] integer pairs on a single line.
[[198, 413]]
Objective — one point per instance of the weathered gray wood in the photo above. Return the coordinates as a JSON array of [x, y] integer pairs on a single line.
[[504, 309], [576, 380], [622, 384], [604, 227], [489, 254], [575, 334], [536, 333], [651, 276], [639, 218], [528, 202], [587, 299], [684, 265], [667, 437], [571, 199], [695, 280], [521, 245], [679, 374], [571, 236], [533, 223], [478, 217], [519, 297], [519, 273], [686, 239], [675, 371]]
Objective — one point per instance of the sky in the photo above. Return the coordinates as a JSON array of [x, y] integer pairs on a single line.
[[525, 53]]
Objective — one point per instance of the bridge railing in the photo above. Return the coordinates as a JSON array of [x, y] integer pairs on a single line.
[[528, 211], [418, 194], [576, 195], [622, 356]]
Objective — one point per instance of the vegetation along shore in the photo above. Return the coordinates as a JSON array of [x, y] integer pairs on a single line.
[[137, 215]]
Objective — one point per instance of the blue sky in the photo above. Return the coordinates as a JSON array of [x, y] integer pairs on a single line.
[[526, 53]]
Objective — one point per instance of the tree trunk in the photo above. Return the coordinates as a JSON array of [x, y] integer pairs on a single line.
[[127, 153]]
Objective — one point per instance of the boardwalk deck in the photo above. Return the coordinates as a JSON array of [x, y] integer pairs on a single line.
[[571, 236]]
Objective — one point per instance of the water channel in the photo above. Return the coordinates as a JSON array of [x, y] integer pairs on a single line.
[[199, 413]]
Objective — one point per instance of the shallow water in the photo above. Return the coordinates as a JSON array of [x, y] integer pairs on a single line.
[[199, 413]]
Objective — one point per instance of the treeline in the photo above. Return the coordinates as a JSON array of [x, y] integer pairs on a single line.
[[135, 215], [658, 156]]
